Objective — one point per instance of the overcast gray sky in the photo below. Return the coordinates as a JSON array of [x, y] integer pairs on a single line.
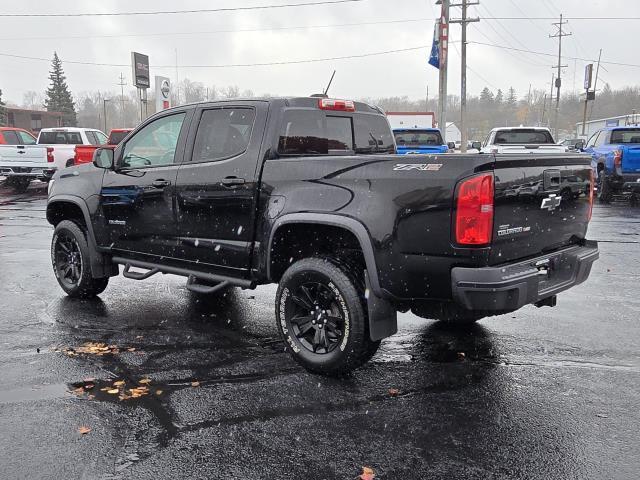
[[111, 39]]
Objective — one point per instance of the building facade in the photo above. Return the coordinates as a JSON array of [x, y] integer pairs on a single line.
[[33, 120], [592, 126]]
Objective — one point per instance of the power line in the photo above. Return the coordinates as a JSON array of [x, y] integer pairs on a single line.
[[554, 54], [176, 12], [260, 64], [207, 32]]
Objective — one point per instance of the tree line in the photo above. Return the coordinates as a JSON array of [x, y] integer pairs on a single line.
[[484, 111]]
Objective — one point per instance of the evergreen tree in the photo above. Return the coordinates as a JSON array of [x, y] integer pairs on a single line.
[[512, 98], [3, 112], [499, 98], [486, 96], [58, 96]]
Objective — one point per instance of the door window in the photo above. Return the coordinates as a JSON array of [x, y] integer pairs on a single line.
[[93, 140], [102, 138], [601, 138], [592, 140], [223, 133], [154, 145], [26, 138]]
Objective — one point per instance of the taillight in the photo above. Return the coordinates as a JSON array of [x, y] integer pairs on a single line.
[[617, 158], [592, 184], [49, 154], [339, 105], [474, 210]]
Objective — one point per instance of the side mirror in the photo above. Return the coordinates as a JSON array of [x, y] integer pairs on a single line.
[[451, 145], [579, 145], [476, 145], [103, 158]]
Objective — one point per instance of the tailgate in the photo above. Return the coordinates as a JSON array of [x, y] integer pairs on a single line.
[[513, 149], [541, 204], [84, 153], [24, 155], [631, 159]]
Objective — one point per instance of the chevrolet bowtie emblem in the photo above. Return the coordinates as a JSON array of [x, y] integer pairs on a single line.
[[551, 202]]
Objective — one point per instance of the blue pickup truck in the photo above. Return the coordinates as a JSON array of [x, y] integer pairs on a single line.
[[419, 140], [615, 159]]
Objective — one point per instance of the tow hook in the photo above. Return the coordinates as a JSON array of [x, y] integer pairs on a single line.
[[547, 302]]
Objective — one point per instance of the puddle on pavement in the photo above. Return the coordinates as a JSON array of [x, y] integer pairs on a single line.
[[35, 393]]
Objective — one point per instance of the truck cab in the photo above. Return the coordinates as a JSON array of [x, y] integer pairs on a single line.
[[419, 140]]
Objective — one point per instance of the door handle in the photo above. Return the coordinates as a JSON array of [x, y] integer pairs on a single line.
[[160, 183], [233, 181]]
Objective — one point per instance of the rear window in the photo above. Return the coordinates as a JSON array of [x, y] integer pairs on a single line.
[[417, 137], [11, 137], [311, 132], [26, 139], [116, 137], [506, 137], [60, 138], [626, 136]]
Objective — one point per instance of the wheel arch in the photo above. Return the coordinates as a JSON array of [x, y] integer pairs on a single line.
[[69, 207], [351, 225]]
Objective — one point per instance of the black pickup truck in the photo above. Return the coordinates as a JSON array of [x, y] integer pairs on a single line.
[[309, 193]]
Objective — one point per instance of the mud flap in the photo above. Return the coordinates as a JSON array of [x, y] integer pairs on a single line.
[[383, 317]]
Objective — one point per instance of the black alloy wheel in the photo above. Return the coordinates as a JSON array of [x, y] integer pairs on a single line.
[[67, 260], [316, 318], [321, 313], [71, 259]]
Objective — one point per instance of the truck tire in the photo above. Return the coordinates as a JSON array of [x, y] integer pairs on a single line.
[[71, 262], [604, 189], [322, 316], [19, 184]]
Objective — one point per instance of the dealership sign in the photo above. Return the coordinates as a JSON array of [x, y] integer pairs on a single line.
[[163, 93], [140, 66]]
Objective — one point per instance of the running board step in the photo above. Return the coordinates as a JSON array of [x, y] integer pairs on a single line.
[[194, 286], [193, 276]]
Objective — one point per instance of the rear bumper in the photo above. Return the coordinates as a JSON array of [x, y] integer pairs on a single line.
[[509, 287], [31, 172], [625, 183]]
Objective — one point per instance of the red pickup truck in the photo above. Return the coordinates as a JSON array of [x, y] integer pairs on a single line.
[[84, 153]]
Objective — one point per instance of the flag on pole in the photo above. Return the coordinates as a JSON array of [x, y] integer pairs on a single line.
[[434, 58]]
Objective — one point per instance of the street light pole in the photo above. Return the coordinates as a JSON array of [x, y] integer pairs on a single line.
[[104, 113]]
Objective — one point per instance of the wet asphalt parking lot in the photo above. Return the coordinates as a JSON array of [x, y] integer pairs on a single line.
[[541, 393]]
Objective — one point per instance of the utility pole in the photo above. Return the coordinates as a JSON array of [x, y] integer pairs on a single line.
[[104, 109], [443, 47], [122, 84], [559, 35], [463, 71]]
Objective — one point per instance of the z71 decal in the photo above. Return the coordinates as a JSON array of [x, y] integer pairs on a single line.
[[423, 167]]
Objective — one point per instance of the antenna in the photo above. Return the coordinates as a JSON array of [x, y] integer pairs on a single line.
[[331, 80]]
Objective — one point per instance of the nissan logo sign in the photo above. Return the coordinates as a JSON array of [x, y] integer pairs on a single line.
[[164, 88]]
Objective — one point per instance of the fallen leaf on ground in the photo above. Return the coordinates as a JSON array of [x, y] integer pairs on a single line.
[[118, 383], [461, 356], [367, 474], [145, 380], [89, 348], [394, 392], [158, 392], [113, 391], [195, 384], [84, 430], [131, 349]]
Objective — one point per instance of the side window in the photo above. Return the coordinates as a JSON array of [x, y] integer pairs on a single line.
[[102, 138], [26, 138], [155, 144], [592, 140], [223, 133], [601, 138], [93, 140]]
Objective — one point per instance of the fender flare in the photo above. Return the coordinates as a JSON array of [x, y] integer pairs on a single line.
[[101, 265], [382, 314]]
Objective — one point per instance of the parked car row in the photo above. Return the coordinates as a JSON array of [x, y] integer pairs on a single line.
[[24, 158]]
